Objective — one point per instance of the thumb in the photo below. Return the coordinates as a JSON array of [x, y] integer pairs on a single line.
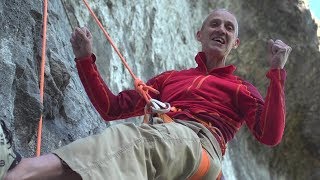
[[270, 44]]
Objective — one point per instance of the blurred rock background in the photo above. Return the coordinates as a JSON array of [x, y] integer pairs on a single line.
[[156, 36]]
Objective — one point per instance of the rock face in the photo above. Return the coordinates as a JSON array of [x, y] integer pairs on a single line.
[[156, 36]]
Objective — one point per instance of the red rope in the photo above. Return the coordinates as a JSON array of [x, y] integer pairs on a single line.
[[140, 86], [43, 61]]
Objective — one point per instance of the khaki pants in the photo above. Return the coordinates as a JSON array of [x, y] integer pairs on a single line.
[[163, 151]]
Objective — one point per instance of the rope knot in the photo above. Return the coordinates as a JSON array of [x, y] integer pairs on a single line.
[[143, 89]]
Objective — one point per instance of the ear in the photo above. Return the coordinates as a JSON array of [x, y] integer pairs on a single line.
[[236, 43], [198, 35]]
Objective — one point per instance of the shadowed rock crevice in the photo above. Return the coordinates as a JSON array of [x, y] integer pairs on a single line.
[[57, 79]]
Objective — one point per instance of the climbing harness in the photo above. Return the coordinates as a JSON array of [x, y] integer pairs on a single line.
[[216, 133]]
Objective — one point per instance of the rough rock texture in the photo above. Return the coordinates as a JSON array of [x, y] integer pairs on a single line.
[[155, 36]]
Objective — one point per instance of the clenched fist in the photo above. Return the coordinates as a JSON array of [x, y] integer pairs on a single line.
[[81, 41], [278, 53]]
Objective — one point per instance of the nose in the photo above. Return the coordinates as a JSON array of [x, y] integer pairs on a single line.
[[221, 29]]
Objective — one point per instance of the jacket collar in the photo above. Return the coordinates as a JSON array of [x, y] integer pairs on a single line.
[[201, 61]]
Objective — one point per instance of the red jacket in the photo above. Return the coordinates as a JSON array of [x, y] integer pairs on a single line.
[[218, 97]]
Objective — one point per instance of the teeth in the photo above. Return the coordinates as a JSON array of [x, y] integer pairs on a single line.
[[219, 39]]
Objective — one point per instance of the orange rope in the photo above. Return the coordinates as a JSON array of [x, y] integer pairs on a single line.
[[43, 61], [140, 86]]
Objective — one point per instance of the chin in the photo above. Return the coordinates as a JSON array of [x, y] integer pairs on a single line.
[[217, 52]]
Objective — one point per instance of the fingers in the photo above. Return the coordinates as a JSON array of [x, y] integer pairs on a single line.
[[80, 34], [86, 32], [81, 42], [282, 45], [278, 46], [278, 53]]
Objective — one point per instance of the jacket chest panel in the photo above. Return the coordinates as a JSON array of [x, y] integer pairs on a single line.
[[200, 87]]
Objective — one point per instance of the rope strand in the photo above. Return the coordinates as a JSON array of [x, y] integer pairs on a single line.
[[140, 86], [109, 39], [43, 61]]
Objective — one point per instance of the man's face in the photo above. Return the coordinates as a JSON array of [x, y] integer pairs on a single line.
[[218, 34]]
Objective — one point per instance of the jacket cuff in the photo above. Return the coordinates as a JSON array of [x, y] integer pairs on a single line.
[[277, 74], [85, 60]]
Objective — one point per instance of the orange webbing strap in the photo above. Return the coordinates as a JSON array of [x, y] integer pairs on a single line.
[[204, 162], [203, 168], [165, 118], [43, 61], [204, 165], [216, 133], [140, 87]]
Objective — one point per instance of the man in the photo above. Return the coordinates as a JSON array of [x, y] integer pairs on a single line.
[[211, 102]]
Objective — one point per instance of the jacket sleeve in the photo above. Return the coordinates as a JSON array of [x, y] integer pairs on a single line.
[[127, 103], [266, 118]]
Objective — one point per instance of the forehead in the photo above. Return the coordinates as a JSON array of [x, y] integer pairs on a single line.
[[222, 15]]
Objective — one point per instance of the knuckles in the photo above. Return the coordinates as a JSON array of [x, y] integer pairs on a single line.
[[279, 45]]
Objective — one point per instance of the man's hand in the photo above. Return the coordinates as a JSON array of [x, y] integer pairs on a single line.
[[81, 41], [278, 53]]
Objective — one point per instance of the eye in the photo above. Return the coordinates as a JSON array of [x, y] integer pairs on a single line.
[[229, 27], [214, 24]]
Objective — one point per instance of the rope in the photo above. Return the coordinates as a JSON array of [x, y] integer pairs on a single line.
[[43, 61], [140, 86]]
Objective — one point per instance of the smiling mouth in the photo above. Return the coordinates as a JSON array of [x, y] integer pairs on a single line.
[[219, 40]]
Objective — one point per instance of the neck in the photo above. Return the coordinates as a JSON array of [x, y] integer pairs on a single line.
[[213, 62]]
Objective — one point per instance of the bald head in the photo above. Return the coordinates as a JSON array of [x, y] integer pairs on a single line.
[[218, 36], [212, 13]]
